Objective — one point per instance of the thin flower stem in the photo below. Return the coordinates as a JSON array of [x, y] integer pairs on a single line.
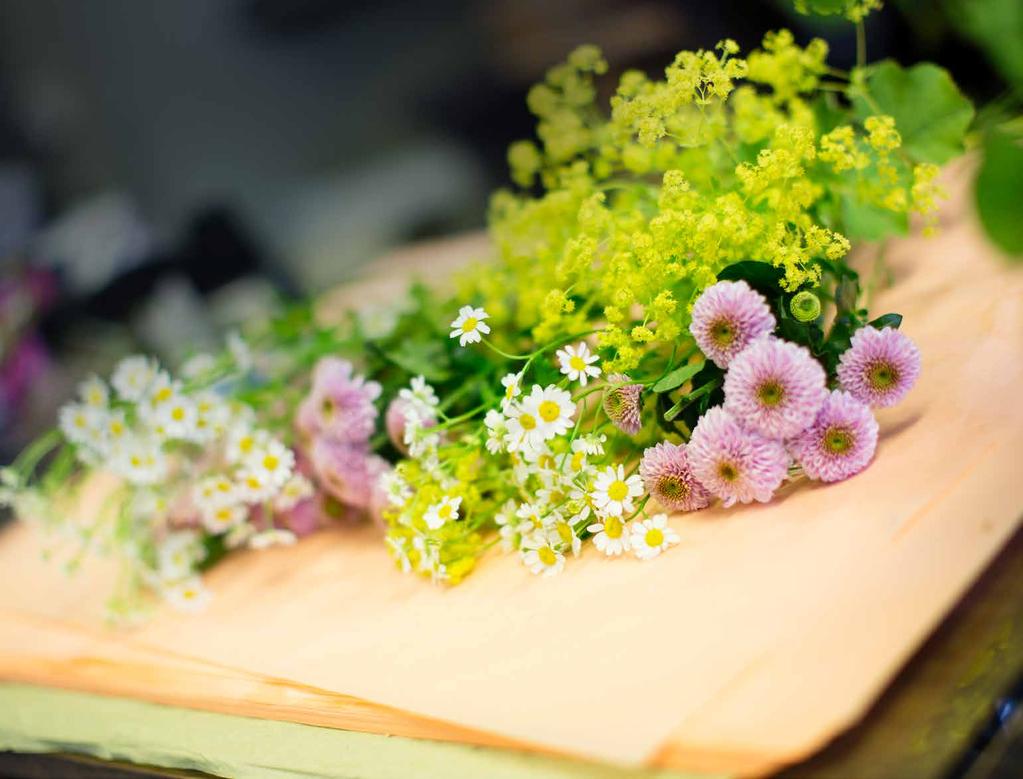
[[861, 44], [505, 354]]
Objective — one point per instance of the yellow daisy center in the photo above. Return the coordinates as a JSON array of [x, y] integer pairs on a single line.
[[613, 527], [270, 462], [163, 394], [178, 414], [654, 537], [549, 411], [577, 363], [444, 512], [527, 421], [618, 490], [469, 324], [547, 555]]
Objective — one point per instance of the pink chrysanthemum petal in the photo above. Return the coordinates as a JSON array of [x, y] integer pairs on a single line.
[[669, 479], [733, 463], [727, 318], [339, 404], [622, 404], [840, 442], [775, 388], [348, 472], [879, 367]]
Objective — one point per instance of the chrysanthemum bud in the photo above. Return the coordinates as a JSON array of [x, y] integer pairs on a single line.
[[622, 404], [805, 306]]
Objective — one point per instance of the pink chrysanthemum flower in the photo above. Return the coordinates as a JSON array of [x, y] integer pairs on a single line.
[[622, 404], [347, 472], [339, 404], [840, 442], [879, 367], [727, 318], [669, 479], [733, 463], [775, 388]]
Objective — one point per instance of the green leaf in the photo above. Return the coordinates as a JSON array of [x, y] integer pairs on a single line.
[[930, 112], [865, 221], [997, 193], [678, 377], [763, 277], [425, 358], [886, 320]]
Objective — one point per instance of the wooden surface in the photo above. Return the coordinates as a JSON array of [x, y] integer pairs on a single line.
[[767, 632]]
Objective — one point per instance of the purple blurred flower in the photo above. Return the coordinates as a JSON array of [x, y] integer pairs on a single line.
[[840, 442], [879, 367], [774, 388], [348, 472], [339, 404], [733, 463], [669, 479], [727, 318]]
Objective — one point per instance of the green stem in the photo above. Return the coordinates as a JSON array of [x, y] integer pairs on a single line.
[[861, 44]]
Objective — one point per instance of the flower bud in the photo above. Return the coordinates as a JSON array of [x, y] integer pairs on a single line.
[[805, 306]]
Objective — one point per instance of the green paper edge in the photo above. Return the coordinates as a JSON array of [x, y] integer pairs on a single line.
[[42, 719]]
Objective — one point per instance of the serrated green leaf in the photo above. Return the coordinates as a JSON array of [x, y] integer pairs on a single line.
[[678, 377], [998, 193], [930, 112]]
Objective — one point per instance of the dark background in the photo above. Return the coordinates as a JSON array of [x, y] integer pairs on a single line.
[[169, 168]]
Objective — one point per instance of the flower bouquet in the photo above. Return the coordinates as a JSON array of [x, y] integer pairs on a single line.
[[669, 319]]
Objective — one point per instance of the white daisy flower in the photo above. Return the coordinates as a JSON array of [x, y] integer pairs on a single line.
[[81, 424], [178, 554], [469, 327], [421, 397], [177, 417], [223, 518], [93, 392], [133, 376], [254, 485], [497, 430], [213, 416], [419, 440], [508, 524], [440, 513], [272, 459], [395, 488], [294, 491], [512, 384], [272, 537], [524, 432], [242, 442], [213, 492], [613, 493], [577, 363], [188, 595], [610, 536], [566, 535], [651, 537], [543, 558], [591, 444], [552, 408], [139, 460]]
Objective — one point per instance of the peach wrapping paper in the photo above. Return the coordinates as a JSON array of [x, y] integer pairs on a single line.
[[767, 631]]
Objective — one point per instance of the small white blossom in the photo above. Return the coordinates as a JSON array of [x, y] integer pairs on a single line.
[[552, 408], [613, 492], [469, 327], [140, 460], [272, 537], [440, 513], [223, 518], [188, 595], [512, 384], [651, 537], [542, 557], [577, 363], [395, 488], [133, 376], [178, 554], [294, 491], [421, 398], [497, 431], [93, 392], [610, 536]]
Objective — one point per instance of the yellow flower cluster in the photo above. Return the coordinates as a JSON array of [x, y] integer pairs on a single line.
[[688, 174]]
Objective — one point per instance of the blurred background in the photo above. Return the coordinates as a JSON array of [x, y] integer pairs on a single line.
[[171, 169]]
